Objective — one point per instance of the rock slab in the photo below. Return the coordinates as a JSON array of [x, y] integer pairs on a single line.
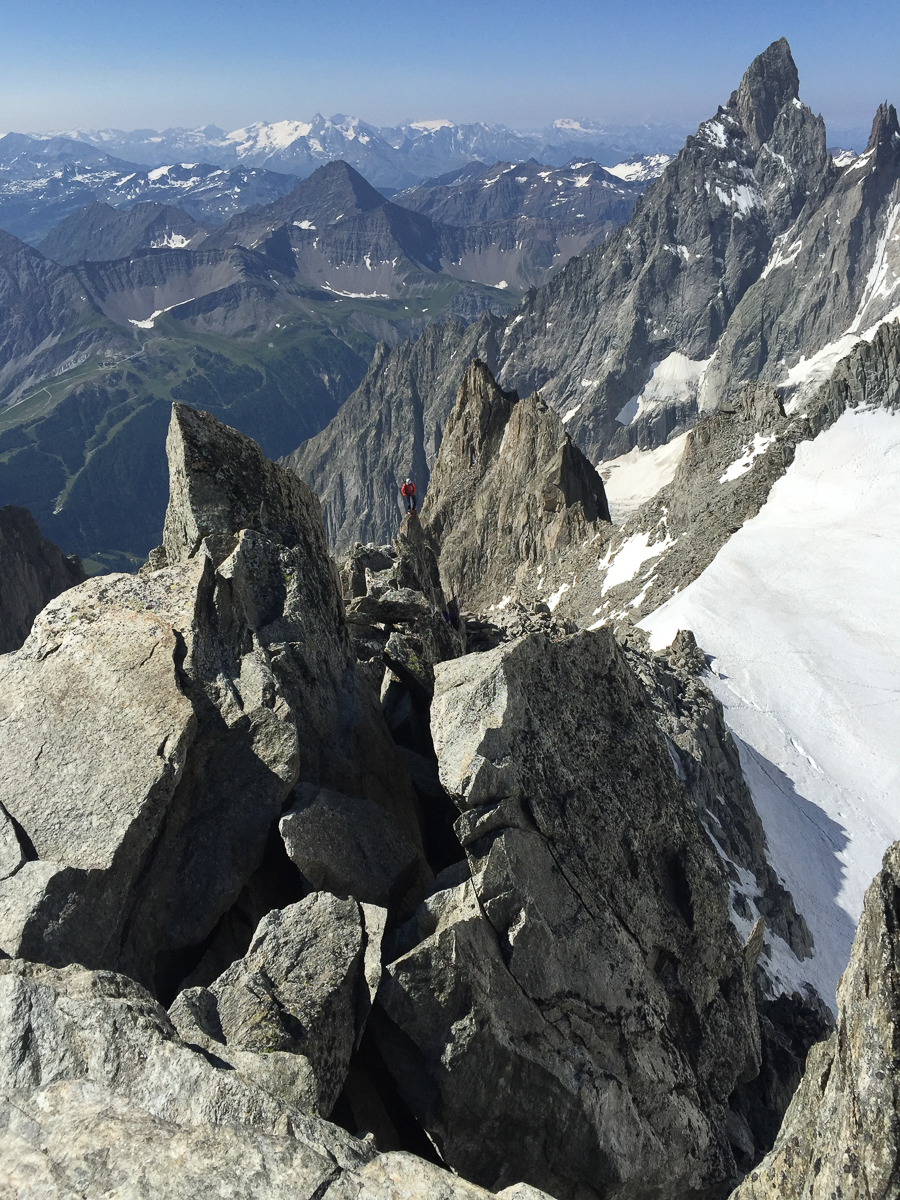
[[578, 1012]]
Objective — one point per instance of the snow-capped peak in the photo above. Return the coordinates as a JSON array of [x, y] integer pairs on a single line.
[[431, 126], [263, 136]]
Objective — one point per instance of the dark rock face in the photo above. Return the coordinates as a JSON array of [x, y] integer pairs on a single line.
[[706, 759], [581, 1006], [32, 571], [100, 232], [797, 310], [349, 846], [839, 1136], [509, 492]]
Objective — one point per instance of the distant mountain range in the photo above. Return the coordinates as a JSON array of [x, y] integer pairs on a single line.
[[245, 292], [268, 319], [44, 181], [395, 157]]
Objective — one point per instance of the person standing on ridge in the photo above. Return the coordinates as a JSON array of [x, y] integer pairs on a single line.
[[408, 492]]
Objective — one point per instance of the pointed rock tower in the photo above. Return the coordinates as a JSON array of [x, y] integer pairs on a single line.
[[510, 492]]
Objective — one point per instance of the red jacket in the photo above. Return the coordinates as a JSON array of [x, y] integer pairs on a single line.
[[408, 489]]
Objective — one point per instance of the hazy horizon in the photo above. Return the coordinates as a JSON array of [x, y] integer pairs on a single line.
[[100, 65]]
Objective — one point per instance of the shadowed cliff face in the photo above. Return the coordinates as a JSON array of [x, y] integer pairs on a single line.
[[839, 1136], [154, 725], [510, 493], [32, 572], [392, 426]]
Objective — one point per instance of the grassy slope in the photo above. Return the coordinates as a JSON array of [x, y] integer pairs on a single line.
[[85, 451]]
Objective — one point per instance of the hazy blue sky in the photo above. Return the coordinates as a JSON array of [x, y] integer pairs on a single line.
[[229, 62]]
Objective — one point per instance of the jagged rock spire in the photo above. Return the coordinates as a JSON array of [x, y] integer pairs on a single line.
[[509, 491], [769, 83], [884, 127]]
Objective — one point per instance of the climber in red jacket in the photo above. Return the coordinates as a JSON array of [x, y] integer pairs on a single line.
[[408, 492]]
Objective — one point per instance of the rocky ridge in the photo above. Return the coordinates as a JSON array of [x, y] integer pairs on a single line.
[[198, 672], [34, 204], [517, 512], [100, 232], [404, 916], [668, 283], [510, 494], [832, 278]]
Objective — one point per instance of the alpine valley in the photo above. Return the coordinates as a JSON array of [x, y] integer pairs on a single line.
[[541, 841], [177, 282]]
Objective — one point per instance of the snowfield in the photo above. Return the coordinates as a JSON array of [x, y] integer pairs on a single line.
[[800, 611], [633, 478]]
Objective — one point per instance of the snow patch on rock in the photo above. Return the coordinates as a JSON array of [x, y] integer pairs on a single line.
[[633, 478]]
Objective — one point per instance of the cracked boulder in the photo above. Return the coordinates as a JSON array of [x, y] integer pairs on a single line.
[[577, 1013], [290, 1006], [95, 1035], [152, 726], [100, 1097], [348, 846]]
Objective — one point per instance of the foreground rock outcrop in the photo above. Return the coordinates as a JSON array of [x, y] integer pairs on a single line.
[[840, 1135], [154, 725], [32, 571], [396, 897], [99, 1096], [581, 1005]]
